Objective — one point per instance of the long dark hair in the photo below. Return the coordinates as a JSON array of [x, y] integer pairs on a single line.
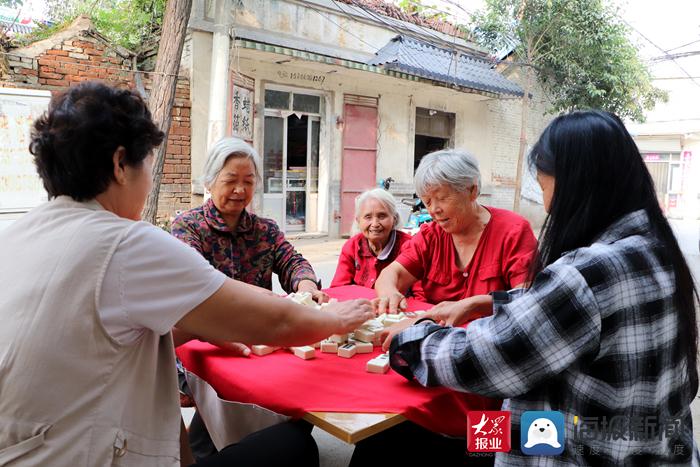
[[599, 177]]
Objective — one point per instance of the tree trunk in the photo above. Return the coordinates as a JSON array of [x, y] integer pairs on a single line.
[[524, 114], [172, 40]]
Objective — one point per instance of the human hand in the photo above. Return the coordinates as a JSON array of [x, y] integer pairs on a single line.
[[388, 333], [351, 314], [458, 313], [392, 302], [319, 296], [236, 348]]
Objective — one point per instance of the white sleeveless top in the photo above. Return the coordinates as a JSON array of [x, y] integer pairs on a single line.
[[70, 393]]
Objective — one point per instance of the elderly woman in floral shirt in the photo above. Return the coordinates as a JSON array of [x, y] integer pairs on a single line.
[[240, 244]]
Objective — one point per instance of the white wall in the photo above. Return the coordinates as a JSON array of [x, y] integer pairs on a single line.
[[679, 143], [200, 44], [489, 127]]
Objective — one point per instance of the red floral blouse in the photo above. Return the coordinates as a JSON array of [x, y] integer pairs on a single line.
[[250, 254]]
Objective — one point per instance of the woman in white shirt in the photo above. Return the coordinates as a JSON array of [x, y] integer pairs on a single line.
[[90, 295]]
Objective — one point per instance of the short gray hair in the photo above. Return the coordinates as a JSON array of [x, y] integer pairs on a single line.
[[384, 197], [222, 151], [455, 168]]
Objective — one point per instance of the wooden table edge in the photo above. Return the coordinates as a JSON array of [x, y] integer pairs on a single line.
[[318, 420]]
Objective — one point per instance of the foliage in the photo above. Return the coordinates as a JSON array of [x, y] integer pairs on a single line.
[[165, 224], [129, 23], [415, 7], [580, 51], [41, 32], [11, 3]]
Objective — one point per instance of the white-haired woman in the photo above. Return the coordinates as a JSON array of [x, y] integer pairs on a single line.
[[240, 244], [468, 249], [366, 254]]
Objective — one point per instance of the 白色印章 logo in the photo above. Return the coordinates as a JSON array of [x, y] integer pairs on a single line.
[[542, 433]]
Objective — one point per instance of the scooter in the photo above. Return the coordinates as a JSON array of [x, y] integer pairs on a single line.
[[385, 183], [419, 214]]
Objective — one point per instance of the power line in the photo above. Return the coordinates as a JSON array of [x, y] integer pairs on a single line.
[[664, 78], [339, 26], [675, 56], [688, 119], [684, 45], [439, 46], [453, 3], [380, 19], [393, 27], [662, 50]]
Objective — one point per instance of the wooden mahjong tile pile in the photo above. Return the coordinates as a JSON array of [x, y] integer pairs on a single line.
[[361, 341]]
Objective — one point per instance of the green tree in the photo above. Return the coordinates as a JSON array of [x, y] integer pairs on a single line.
[[416, 7], [579, 51], [129, 23]]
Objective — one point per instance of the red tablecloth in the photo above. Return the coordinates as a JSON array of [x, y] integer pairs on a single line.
[[291, 386]]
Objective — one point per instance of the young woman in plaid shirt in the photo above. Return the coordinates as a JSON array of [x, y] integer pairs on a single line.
[[607, 327]]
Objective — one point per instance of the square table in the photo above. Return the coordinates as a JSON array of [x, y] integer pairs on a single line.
[[333, 393]]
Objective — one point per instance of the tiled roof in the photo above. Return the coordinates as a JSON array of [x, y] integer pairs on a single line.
[[15, 27], [425, 60]]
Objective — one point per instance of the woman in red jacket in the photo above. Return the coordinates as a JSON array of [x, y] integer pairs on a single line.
[[365, 255]]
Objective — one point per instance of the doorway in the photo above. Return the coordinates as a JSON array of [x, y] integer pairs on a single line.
[[360, 115], [425, 145], [290, 159], [434, 131]]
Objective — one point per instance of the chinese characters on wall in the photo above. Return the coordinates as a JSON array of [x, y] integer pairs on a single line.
[[242, 113]]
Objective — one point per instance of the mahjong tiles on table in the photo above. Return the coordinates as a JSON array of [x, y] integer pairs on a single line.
[[361, 341], [379, 364]]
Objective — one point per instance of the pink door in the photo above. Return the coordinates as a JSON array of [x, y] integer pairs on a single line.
[[359, 155]]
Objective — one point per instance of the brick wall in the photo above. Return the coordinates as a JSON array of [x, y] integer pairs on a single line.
[[69, 58], [504, 120]]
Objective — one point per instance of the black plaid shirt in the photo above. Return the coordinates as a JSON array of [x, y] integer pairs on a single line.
[[596, 336]]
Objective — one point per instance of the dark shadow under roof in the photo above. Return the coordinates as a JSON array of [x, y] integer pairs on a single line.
[[425, 60]]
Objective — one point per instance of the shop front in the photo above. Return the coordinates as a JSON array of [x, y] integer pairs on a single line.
[[292, 125], [670, 172]]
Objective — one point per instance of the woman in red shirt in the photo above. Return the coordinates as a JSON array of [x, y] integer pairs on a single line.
[[468, 249], [378, 244]]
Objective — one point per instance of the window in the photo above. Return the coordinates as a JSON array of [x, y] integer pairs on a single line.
[[297, 102], [272, 160], [276, 99], [307, 103]]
